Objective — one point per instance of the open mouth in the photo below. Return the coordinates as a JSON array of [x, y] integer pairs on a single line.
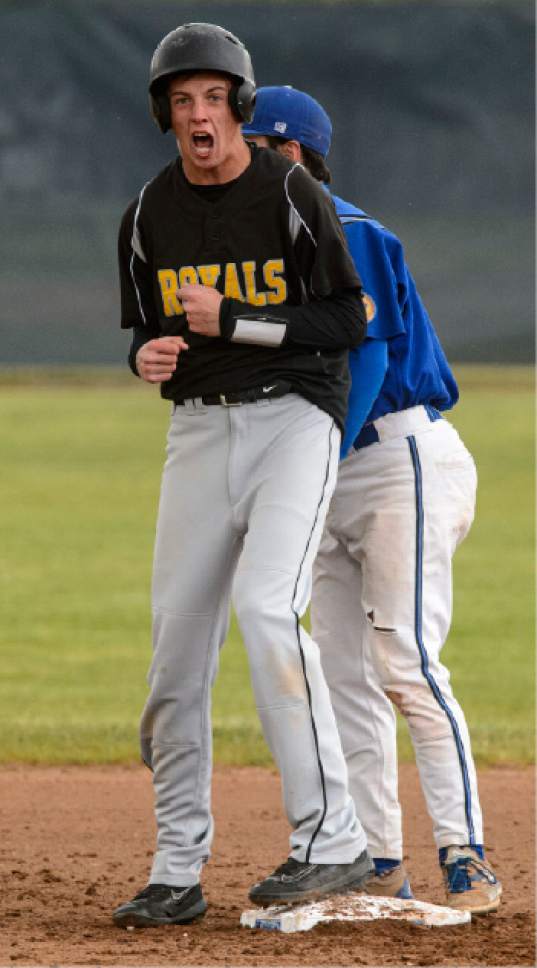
[[202, 143]]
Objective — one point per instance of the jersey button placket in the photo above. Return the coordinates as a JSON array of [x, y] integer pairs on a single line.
[[214, 231]]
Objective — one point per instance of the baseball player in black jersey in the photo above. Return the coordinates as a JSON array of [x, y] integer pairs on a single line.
[[244, 303]]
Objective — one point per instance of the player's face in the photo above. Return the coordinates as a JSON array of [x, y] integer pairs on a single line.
[[208, 135]]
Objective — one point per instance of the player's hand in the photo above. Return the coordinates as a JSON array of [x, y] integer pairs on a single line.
[[156, 360], [202, 307]]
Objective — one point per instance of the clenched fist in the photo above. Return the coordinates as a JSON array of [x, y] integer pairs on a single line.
[[156, 360], [202, 307]]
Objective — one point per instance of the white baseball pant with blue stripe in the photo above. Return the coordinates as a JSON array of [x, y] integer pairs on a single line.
[[381, 612], [244, 496]]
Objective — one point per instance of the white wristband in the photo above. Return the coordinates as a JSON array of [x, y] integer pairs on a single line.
[[259, 330]]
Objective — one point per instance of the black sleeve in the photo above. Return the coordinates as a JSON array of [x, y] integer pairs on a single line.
[[331, 314], [141, 335], [337, 322], [137, 301], [322, 256]]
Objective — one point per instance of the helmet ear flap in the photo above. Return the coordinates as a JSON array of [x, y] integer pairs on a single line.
[[159, 106], [242, 100]]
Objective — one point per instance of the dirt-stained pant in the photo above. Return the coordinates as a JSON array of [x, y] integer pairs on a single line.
[[244, 496], [381, 611]]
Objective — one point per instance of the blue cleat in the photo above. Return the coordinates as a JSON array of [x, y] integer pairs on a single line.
[[471, 884], [392, 882]]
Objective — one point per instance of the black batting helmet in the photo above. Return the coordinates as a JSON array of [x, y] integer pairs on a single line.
[[201, 47]]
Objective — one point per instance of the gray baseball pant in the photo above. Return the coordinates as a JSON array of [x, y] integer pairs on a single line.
[[244, 496]]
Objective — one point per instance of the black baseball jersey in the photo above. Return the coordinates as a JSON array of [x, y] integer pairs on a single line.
[[272, 244]]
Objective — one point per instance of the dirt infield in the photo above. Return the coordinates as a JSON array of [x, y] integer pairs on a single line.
[[75, 842]]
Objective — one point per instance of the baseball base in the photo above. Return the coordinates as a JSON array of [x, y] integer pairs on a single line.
[[351, 907]]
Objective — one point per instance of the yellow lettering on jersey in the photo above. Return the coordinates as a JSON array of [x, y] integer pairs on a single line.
[[272, 271], [232, 288], [252, 296], [209, 275], [188, 276], [168, 287]]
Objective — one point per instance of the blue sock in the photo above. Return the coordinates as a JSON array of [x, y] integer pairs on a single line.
[[479, 849], [384, 864]]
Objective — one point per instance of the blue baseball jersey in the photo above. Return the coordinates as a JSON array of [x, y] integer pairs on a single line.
[[415, 368]]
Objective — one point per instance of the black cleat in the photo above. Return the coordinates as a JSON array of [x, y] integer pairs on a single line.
[[161, 904], [296, 881]]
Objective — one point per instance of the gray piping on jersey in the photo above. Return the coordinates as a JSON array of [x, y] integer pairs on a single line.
[[301, 650], [262, 330], [136, 242], [295, 218], [136, 247], [346, 219]]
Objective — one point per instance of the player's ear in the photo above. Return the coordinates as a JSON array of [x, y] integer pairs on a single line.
[[291, 150]]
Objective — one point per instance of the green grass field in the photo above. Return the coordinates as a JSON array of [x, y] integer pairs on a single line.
[[81, 459]]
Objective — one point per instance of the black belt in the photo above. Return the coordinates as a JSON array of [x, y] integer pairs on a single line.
[[235, 399]]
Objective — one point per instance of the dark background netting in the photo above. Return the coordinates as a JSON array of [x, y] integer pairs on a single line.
[[432, 106]]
